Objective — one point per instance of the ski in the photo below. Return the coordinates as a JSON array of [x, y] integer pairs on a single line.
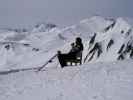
[[47, 62]]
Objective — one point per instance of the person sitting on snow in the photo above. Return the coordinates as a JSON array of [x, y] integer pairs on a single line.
[[77, 47]]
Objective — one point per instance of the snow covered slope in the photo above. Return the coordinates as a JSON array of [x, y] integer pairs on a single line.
[[114, 42], [101, 77], [104, 40], [43, 27], [99, 81]]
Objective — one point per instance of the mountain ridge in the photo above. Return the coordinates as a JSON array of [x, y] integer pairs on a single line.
[[111, 35]]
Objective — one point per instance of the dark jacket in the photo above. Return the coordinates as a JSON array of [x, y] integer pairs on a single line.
[[76, 48]]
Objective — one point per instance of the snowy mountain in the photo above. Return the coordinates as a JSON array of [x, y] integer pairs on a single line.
[[101, 76], [104, 40], [43, 27], [114, 42]]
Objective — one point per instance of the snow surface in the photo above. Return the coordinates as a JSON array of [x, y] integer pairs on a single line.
[[98, 81]]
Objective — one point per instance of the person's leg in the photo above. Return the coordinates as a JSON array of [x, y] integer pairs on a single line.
[[71, 56]]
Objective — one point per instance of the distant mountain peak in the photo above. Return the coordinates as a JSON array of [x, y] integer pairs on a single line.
[[43, 27]]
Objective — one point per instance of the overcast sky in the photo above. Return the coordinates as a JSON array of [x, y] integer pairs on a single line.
[[24, 13]]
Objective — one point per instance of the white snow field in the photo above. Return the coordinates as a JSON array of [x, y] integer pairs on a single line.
[[106, 72], [99, 81]]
